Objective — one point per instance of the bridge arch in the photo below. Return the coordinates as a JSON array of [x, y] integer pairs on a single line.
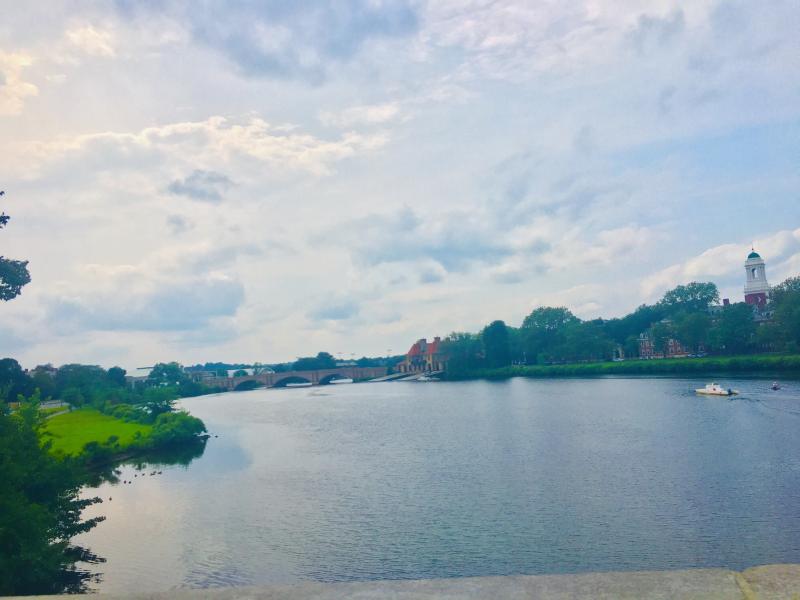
[[291, 379], [248, 384], [329, 378]]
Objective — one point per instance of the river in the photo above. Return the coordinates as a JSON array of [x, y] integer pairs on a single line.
[[421, 480]]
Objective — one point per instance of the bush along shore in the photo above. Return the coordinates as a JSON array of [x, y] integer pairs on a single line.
[[789, 363], [98, 438]]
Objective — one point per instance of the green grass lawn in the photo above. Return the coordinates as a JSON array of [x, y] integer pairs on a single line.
[[70, 431]]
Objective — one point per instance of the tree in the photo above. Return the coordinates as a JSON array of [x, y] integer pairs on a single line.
[[621, 330], [240, 373], [496, 346], [116, 375], [734, 330], [159, 400], [660, 334], [40, 509], [584, 341], [323, 360], [543, 331], [693, 296], [13, 380], [171, 373], [78, 384], [692, 329], [14, 274], [786, 302], [171, 428], [463, 351], [785, 288], [548, 318]]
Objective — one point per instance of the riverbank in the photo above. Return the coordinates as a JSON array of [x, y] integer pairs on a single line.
[[757, 583], [768, 364], [99, 438]]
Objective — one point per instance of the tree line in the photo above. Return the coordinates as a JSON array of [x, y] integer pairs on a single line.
[[689, 314]]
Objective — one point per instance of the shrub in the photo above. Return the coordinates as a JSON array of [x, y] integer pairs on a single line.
[[170, 428]]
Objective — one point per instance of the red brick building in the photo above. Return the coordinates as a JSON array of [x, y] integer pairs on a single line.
[[423, 357], [647, 348]]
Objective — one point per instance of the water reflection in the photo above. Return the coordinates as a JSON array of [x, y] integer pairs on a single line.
[[380, 481], [85, 575]]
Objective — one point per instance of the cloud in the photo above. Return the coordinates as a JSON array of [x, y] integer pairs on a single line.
[[359, 115], [335, 310], [455, 240], [13, 90], [166, 306], [176, 289], [433, 273], [205, 144], [652, 32], [288, 40], [94, 42], [204, 186], [178, 224], [724, 263]]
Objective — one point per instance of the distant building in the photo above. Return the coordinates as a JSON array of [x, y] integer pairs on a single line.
[[647, 349], [756, 288], [202, 376], [423, 357]]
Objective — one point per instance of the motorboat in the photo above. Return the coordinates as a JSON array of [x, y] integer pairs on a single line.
[[299, 384], [343, 380], [426, 378], [775, 386], [715, 389]]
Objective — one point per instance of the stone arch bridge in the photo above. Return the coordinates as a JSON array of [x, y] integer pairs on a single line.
[[316, 377]]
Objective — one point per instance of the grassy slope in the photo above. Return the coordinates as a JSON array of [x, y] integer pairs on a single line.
[[70, 431], [732, 364]]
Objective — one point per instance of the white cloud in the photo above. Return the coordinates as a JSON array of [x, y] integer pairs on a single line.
[[204, 144], [360, 115], [13, 89], [724, 263], [92, 41]]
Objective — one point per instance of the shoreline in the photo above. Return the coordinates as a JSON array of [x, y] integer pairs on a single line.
[[750, 365]]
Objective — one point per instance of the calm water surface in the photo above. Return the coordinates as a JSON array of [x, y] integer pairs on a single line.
[[410, 480]]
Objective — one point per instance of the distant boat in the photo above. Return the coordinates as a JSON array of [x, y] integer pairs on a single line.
[[426, 378], [775, 386], [345, 380], [715, 389], [301, 384]]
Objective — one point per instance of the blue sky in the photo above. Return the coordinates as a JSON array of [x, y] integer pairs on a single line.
[[260, 180]]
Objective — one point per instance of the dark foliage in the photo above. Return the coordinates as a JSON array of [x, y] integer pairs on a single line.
[[39, 509]]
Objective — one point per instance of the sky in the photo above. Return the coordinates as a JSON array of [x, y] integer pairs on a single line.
[[256, 181]]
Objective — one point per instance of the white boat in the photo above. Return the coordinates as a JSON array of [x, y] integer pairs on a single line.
[[715, 389], [300, 384], [345, 380]]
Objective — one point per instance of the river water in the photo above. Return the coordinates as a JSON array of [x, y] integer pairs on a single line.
[[413, 480]]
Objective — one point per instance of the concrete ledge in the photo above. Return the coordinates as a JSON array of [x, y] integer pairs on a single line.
[[768, 582]]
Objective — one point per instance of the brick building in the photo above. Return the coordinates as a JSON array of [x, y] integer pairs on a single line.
[[423, 357]]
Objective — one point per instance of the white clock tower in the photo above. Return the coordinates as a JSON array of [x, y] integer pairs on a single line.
[[756, 288]]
